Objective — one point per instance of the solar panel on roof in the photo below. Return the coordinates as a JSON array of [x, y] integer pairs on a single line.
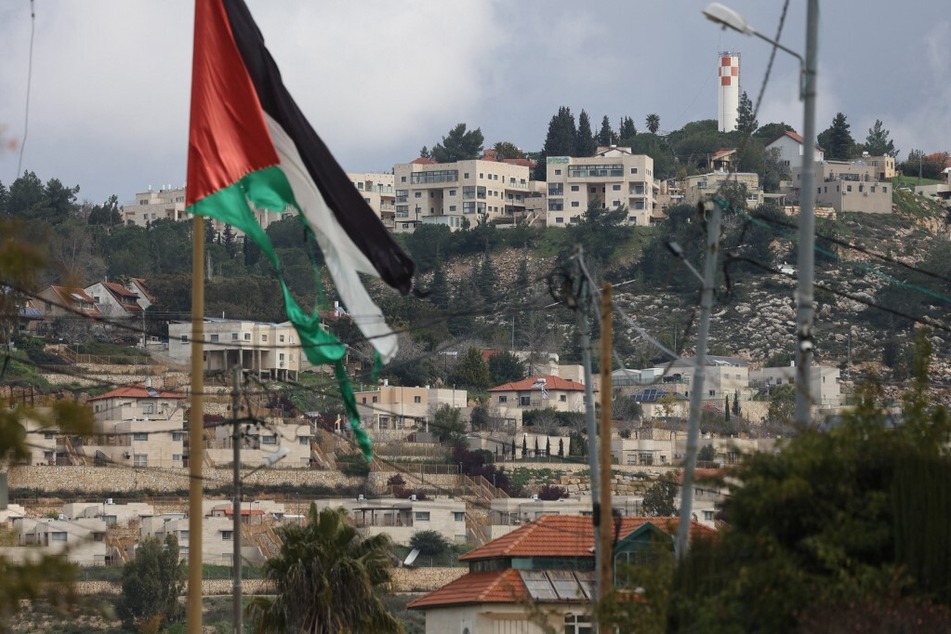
[[565, 584], [151, 391], [538, 585]]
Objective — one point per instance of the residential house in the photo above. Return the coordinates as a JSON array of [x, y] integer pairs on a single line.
[[790, 146], [115, 301], [721, 376], [542, 569], [849, 186], [613, 177], [701, 187], [217, 537], [401, 518], [660, 402], [539, 392], [63, 301], [137, 286], [507, 514], [393, 411], [825, 391], [378, 191], [82, 540], [139, 426], [108, 511], [461, 193], [647, 446], [264, 349], [261, 441]]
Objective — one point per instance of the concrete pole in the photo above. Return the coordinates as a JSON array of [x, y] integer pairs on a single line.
[[807, 223], [236, 505], [696, 387]]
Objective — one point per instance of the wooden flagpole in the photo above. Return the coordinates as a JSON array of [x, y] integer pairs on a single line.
[[196, 422]]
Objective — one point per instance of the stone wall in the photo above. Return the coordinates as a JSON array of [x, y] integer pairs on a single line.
[[104, 480]]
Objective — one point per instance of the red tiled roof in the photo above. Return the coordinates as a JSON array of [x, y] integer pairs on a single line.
[[499, 586], [568, 536], [136, 391], [422, 161], [531, 383], [121, 290]]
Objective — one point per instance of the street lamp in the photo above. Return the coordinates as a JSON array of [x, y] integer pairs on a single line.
[[728, 18]]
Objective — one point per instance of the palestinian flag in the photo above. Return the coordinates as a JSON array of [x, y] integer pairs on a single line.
[[250, 146]]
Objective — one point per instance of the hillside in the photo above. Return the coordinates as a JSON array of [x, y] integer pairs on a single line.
[[855, 290]]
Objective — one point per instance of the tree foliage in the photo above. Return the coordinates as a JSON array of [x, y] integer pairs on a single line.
[[459, 145], [430, 543], [505, 368], [472, 371], [856, 515], [745, 117], [560, 140], [326, 579], [151, 584], [878, 143], [659, 498], [837, 140], [653, 123], [585, 145]]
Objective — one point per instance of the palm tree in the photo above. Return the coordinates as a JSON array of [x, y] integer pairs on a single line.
[[325, 580], [653, 123]]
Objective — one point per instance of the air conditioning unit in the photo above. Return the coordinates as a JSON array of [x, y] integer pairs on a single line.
[[412, 498], [534, 497], [360, 498], [126, 455]]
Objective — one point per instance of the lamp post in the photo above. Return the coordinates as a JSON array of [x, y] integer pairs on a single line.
[[728, 18]]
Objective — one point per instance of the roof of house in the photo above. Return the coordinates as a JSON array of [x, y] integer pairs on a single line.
[[422, 161], [566, 536], [548, 536], [719, 154], [139, 284], [74, 298], [137, 390], [498, 586], [795, 136], [548, 381]]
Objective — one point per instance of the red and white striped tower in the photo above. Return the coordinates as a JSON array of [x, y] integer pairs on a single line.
[[728, 92]]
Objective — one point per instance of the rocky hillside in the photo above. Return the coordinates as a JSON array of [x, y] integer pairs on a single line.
[[756, 318]]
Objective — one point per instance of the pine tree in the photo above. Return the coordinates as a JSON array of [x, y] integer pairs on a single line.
[[745, 117], [837, 140], [488, 279], [627, 131], [561, 447], [439, 288], [548, 447], [877, 142], [726, 409], [562, 135], [605, 136], [585, 144], [524, 446]]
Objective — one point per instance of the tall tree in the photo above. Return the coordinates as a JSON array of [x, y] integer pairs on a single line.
[[151, 584], [877, 142], [653, 123], [472, 371], [606, 136], [459, 145], [745, 117], [106, 214], [585, 145], [424, 153], [560, 141], [505, 368], [488, 279], [439, 293], [627, 131], [325, 579], [836, 140], [4, 200], [26, 195]]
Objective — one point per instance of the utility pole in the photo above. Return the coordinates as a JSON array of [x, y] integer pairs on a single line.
[[807, 223], [696, 387], [583, 296], [236, 505], [196, 428], [604, 448]]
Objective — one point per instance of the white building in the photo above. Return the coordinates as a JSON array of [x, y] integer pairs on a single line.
[[392, 411], [790, 146], [401, 518], [460, 194], [611, 178], [728, 90], [378, 192]]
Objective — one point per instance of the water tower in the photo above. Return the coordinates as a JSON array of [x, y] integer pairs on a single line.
[[728, 90]]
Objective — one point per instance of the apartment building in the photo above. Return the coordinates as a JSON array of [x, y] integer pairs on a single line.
[[291, 437], [82, 541], [392, 411], [850, 186], [824, 388], [614, 176], [138, 426], [401, 518], [168, 203], [459, 194], [265, 349], [378, 192], [701, 187]]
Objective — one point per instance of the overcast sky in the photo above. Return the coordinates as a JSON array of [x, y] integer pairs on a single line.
[[379, 79]]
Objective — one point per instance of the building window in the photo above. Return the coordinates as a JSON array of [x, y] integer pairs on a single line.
[[559, 220], [140, 460], [58, 536], [417, 194], [557, 172], [417, 399], [227, 535], [148, 408], [459, 517], [422, 516], [375, 399], [503, 399], [577, 624], [281, 338], [563, 398], [384, 422], [184, 338], [525, 401], [268, 440], [575, 203], [214, 338], [247, 336], [615, 188], [140, 436], [176, 457], [263, 337], [234, 336]]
